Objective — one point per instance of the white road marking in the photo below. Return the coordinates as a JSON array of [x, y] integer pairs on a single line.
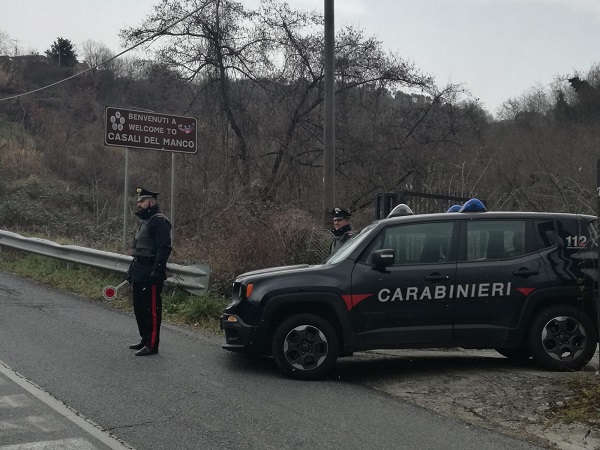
[[14, 401], [87, 425], [63, 444], [41, 423]]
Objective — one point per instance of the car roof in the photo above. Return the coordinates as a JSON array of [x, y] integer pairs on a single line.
[[486, 215]]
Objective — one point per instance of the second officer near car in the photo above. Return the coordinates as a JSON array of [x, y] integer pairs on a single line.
[[147, 273], [342, 228]]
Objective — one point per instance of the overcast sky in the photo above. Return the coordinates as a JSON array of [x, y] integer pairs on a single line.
[[498, 49]]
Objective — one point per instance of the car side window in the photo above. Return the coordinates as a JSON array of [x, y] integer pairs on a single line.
[[495, 239], [418, 243], [546, 233]]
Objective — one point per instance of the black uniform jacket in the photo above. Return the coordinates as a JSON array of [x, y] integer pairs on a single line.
[[340, 236], [159, 228]]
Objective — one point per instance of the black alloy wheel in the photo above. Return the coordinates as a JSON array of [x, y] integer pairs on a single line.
[[305, 347], [563, 337]]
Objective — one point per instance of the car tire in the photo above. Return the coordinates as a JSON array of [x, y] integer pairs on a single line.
[[305, 347], [562, 337], [515, 354]]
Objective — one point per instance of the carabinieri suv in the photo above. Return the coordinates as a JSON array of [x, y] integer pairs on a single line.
[[521, 283]]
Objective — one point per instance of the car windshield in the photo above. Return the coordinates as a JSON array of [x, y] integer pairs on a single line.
[[350, 245]]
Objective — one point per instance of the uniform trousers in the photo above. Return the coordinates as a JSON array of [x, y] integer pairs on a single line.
[[147, 306]]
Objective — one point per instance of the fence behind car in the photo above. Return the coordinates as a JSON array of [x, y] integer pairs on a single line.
[[309, 246]]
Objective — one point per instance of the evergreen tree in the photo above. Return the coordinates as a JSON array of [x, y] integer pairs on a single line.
[[588, 98], [62, 53]]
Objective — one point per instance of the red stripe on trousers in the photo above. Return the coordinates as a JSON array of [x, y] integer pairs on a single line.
[[153, 309]]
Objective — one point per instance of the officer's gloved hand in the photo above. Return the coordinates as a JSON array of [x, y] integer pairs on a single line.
[[154, 277]]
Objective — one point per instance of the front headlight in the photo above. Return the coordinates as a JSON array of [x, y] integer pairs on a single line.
[[248, 292], [243, 291]]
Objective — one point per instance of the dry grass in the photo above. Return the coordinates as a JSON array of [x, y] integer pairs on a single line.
[[179, 307], [584, 404]]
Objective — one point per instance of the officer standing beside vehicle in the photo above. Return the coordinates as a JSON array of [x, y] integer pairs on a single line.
[[147, 272], [342, 229]]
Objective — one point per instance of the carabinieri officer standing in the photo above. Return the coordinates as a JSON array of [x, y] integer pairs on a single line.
[[147, 272]]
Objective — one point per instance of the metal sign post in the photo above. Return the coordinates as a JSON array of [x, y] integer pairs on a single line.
[[125, 199], [172, 198]]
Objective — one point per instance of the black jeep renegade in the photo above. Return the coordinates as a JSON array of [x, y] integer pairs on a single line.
[[522, 283]]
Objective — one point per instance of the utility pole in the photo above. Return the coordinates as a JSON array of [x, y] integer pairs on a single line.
[[16, 41], [329, 115], [598, 260]]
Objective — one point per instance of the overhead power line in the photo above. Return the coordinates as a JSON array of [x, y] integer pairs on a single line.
[[158, 33]]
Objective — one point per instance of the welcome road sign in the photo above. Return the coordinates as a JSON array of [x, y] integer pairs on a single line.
[[151, 131]]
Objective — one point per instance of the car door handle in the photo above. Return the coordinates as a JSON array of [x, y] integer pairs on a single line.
[[436, 277], [525, 272]]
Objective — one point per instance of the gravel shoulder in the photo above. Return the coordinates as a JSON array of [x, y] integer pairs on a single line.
[[479, 387]]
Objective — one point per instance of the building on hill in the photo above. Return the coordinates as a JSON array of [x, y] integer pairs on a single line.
[[26, 59]]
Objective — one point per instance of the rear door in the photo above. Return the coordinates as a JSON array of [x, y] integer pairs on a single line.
[[407, 303], [498, 268]]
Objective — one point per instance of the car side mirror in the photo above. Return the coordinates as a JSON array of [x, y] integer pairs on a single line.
[[384, 257]]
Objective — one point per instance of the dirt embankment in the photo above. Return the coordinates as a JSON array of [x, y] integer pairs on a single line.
[[480, 387]]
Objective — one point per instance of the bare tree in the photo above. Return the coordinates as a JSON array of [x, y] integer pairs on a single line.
[[360, 64], [5, 42], [214, 44], [96, 54], [267, 69]]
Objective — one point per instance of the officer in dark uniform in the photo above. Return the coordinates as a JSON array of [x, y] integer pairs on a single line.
[[147, 272], [342, 228]]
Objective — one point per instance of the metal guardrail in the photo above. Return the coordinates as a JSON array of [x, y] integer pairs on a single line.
[[193, 278]]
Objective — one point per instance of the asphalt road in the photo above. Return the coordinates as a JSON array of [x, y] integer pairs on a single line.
[[193, 394]]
